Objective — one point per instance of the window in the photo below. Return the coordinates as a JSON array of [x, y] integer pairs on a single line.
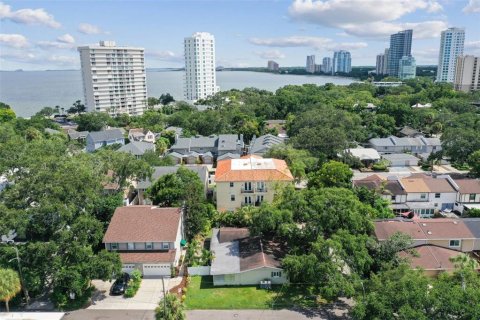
[[392, 198], [471, 197], [276, 274], [130, 246], [454, 243], [437, 195], [114, 246], [148, 245], [231, 184], [423, 196], [165, 245], [232, 197]]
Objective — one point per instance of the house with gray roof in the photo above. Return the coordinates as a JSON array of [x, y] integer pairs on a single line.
[[142, 185], [216, 145], [229, 156], [137, 148], [77, 135], [96, 140], [401, 160], [418, 145], [259, 146], [241, 259]]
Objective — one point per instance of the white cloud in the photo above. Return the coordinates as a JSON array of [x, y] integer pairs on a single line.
[[165, 55], [31, 57], [473, 44], [62, 60], [318, 43], [270, 54], [66, 38], [28, 16], [365, 18], [421, 30], [87, 28], [426, 55], [19, 56], [14, 40], [55, 44], [473, 6]]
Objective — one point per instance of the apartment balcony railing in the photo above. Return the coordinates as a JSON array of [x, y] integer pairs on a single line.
[[253, 190], [247, 190], [252, 204]]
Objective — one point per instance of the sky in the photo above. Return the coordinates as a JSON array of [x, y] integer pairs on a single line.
[[40, 35]]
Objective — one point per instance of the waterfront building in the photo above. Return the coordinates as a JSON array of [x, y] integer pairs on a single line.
[[382, 62], [310, 68], [400, 46], [327, 65], [407, 68], [318, 68], [114, 79], [273, 66], [342, 61], [200, 76], [467, 73], [451, 47]]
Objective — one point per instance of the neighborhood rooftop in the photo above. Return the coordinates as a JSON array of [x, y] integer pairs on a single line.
[[106, 135], [252, 168]]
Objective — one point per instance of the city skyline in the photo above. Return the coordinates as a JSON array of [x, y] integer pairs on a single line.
[[39, 35]]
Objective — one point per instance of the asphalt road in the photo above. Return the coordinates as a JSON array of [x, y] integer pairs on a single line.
[[93, 314]]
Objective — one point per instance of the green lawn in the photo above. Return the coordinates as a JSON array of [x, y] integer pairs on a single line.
[[202, 294]]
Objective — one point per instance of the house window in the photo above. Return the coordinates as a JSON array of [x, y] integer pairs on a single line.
[[392, 198], [165, 245], [423, 196], [276, 274], [454, 243], [114, 246], [130, 246], [232, 197], [471, 197], [437, 195], [148, 245], [231, 184]]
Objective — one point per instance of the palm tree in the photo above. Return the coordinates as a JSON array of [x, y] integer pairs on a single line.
[[9, 285]]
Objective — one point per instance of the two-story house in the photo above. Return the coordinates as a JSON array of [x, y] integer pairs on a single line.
[[138, 134], [248, 181], [137, 148], [389, 189], [96, 140], [418, 145], [147, 238], [468, 196]]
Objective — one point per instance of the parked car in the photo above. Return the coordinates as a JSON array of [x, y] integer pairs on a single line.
[[120, 285]]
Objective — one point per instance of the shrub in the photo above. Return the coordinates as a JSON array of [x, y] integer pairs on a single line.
[[134, 284]]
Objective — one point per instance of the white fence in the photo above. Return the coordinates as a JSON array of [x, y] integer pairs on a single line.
[[199, 271]]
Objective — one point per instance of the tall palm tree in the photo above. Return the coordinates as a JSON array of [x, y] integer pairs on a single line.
[[9, 285]]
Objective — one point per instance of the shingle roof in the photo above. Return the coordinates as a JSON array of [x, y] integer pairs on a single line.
[[399, 156], [73, 134], [422, 183], [377, 183], [431, 257], [147, 257], [468, 185], [384, 229], [252, 169], [364, 153], [256, 253], [106, 135], [228, 142], [137, 148], [143, 224], [201, 171], [229, 155], [473, 224], [263, 143]]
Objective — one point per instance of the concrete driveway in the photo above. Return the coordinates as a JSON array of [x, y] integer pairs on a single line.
[[147, 297]]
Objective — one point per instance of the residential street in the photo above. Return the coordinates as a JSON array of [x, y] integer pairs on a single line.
[[262, 315], [92, 314]]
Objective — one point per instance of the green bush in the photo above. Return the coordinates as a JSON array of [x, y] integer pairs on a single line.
[[380, 166], [134, 284]]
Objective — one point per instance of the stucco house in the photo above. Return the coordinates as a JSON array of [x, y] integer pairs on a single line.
[[389, 189], [98, 139], [248, 181], [468, 196], [139, 134], [147, 238], [240, 259]]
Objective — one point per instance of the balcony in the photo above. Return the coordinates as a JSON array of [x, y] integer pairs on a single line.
[[247, 190], [251, 204]]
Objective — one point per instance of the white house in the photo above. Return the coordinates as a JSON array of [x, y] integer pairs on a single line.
[[139, 134], [147, 238], [240, 259]]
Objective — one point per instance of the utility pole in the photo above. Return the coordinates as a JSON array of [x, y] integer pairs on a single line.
[[164, 299]]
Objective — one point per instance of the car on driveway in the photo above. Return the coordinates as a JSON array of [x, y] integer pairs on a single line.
[[120, 285]]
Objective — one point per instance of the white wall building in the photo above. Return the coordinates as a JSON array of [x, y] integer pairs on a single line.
[[467, 73], [114, 78], [310, 66], [451, 47], [200, 76], [342, 61], [327, 65]]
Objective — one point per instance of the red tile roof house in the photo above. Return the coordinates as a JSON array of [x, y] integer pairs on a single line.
[[241, 259], [147, 238]]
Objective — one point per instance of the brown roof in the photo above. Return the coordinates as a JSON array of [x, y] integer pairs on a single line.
[[384, 229], [232, 234], [468, 185], [147, 257], [445, 229], [274, 170], [439, 185], [430, 257], [256, 253], [379, 184], [143, 224], [415, 185], [420, 182]]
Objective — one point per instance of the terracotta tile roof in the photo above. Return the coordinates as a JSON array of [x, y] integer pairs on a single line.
[[468, 185], [143, 224], [384, 229], [252, 168], [431, 257], [147, 257]]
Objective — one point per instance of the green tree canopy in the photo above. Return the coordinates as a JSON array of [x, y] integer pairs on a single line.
[[9, 285]]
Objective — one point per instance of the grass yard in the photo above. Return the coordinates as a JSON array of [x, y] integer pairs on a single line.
[[201, 294]]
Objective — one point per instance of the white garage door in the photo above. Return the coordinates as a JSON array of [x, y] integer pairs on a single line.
[[128, 268], [156, 269]]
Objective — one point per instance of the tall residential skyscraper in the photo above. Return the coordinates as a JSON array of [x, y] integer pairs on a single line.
[[382, 63], [273, 66], [467, 73], [342, 61], [200, 76], [114, 78], [400, 46], [386, 56], [327, 65], [407, 68], [451, 47], [310, 68]]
